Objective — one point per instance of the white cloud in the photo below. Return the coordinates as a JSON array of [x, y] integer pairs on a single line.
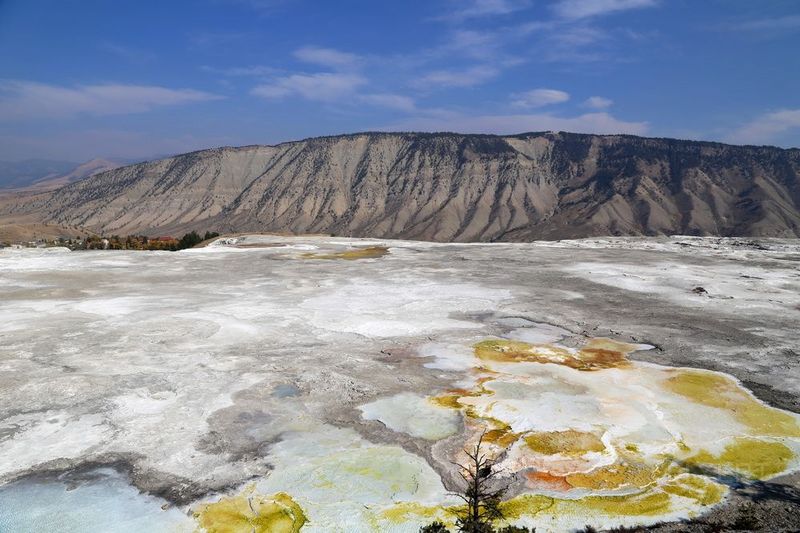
[[480, 45], [457, 78], [390, 101], [766, 128], [479, 8], [539, 98], [572, 41], [327, 57], [466, 9], [27, 99], [128, 53], [598, 102], [471, 41], [601, 123], [253, 70], [265, 7], [577, 9], [218, 39], [789, 22], [574, 37], [322, 87]]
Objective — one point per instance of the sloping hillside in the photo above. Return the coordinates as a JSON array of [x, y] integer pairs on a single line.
[[445, 187]]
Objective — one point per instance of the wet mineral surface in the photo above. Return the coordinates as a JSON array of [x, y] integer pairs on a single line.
[[322, 384]]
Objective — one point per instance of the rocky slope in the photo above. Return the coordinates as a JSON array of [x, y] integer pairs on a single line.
[[444, 187]]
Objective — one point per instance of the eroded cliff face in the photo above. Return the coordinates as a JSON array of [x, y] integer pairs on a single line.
[[445, 187]]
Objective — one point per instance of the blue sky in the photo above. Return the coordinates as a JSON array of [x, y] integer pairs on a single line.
[[135, 79]]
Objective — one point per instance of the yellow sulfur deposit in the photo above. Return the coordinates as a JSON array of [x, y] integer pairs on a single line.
[[525, 505], [404, 512], [594, 437], [370, 252], [753, 457], [251, 513], [716, 390], [698, 488], [502, 437], [617, 475], [569, 442], [651, 503]]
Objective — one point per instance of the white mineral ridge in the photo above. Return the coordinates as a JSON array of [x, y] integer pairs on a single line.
[[172, 360], [399, 307]]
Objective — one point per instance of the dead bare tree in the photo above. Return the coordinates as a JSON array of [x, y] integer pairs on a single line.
[[481, 494]]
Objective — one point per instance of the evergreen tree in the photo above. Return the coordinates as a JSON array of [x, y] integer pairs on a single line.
[[189, 240], [434, 527]]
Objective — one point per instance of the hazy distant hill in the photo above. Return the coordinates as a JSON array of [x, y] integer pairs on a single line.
[[14, 174], [44, 174], [445, 187], [84, 170]]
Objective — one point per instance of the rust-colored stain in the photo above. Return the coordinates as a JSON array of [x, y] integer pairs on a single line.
[[597, 354], [369, 252], [539, 479]]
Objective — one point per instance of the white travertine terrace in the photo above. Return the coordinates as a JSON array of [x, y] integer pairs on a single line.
[[351, 383]]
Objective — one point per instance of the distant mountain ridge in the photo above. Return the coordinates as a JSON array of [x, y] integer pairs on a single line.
[[82, 171], [15, 174], [444, 187], [44, 174]]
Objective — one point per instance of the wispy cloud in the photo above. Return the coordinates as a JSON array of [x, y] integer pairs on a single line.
[[789, 22], [331, 87], [457, 78], [343, 82], [466, 9], [558, 39], [573, 37], [767, 128], [128, 53], [539, 98], [390, 101], [28, 99], [578, 9], [462, 44], [321, 87], [471, 43], [217, 40], [598, 102], [601, 123], [327, 57], [253, 70], [583, 41], [263, 7]]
